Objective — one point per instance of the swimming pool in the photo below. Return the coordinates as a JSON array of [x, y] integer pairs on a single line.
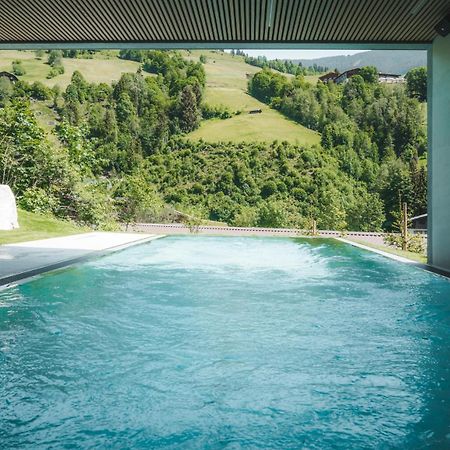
[[222, 342]]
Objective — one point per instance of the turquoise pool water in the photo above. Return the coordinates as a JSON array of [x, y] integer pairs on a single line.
[[209, 342]]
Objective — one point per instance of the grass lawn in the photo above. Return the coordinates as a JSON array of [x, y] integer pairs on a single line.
[[35, 226], [226, 84], [409, 255], [264, 127], [103, 68], [95, 70], [232, 98], [226, 79]]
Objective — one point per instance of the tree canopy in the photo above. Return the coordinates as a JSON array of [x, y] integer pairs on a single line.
[[416, 83]]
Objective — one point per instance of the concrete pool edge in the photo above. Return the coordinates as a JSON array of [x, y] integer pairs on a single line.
[[27, 275], [380, 252], [401, 259]]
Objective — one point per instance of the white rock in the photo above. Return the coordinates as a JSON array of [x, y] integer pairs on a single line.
[[8, 209]]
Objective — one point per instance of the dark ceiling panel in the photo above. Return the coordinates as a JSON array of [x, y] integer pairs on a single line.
[[323, 29], [220, 21]]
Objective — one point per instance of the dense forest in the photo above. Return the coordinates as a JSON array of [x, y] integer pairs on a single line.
[[119, 153]]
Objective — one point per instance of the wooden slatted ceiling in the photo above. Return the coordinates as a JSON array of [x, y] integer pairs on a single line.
[[221, 21]]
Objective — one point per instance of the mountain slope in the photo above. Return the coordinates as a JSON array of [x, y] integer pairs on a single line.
[[390, 61], [226, 84], [104, 68]]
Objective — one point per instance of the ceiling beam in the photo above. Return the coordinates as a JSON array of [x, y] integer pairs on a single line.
[[218, 45]]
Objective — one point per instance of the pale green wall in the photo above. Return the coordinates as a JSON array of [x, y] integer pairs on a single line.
[[439, 154]]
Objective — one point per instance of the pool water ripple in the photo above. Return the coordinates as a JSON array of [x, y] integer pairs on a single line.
[[210, 342]]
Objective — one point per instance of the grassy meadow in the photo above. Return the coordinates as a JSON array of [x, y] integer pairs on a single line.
[[255, 128], [226, 84], [35, 226], [104, 68]]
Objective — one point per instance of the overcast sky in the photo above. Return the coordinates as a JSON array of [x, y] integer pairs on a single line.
[[299, 54]]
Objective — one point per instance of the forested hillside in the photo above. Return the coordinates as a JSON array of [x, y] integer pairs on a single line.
[[375, 131], [100, 153], [226, 92], [269, 185], [89, 166]]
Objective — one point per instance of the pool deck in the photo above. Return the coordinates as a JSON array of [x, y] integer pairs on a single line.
[[27, 259]]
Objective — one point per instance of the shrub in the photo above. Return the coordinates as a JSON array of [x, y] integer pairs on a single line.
[[272, 214], [197, 189], [246, 217], [95, 207], [215, 111], [54, 58], [55, 71], [39, 54], [18, 68], [269, 188], [40, 92], [6, 90], [414, 243], [37, 200]]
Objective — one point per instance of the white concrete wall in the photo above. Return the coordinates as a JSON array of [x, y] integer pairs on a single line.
[[8, 209], [439, 154]]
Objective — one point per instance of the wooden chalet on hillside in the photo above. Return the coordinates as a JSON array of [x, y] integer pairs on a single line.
[[330, 76]]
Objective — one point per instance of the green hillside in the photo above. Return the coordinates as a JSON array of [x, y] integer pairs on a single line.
[[99, 154], [103, 68], [226, 84], [268, 126]]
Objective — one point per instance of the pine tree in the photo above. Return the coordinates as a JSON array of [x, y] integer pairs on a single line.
[[419, 181], [189, 112]]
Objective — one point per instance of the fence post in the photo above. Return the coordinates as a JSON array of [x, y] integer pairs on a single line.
[[405, 227], [314, 227]]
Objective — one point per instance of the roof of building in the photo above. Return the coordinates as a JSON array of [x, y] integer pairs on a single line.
[[156, 22], [393, 75], [329, 76], [350, 72]]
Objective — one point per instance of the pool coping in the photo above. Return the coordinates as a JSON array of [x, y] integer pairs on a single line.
[[381, 252], [26, 276], [401, 259]]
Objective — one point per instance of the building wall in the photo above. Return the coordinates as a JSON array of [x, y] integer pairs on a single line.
[[439, 155]]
